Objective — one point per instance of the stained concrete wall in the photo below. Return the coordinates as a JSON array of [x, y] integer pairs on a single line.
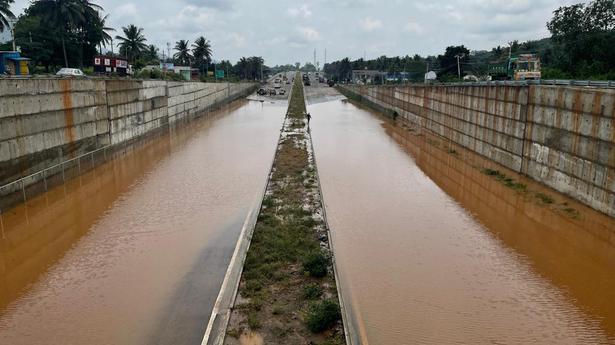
[[570, 142], [558, 135], [43, 121], [46, 121]]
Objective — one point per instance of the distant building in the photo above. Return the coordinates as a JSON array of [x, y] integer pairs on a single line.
[[11, 63], [109, 64], [184, 71], [365, 76]]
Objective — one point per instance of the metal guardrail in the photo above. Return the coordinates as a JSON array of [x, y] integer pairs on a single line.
[[20, 184], [553, 82]]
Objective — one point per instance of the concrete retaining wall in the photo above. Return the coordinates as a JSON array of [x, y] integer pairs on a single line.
[[558, 135], [46, 121]]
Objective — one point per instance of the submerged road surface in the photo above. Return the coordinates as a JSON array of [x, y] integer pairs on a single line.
[[134, 252], [433, 251]]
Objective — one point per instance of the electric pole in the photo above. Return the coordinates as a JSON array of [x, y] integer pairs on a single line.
[[315, 60], [459, 56], [12, 26]]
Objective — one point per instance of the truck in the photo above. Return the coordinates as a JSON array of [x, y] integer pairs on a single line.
[[522, 67]]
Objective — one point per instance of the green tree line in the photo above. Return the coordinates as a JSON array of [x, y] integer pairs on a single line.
[[69, 33], [581, 46]]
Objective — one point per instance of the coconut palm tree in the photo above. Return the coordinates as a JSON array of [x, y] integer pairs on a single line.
[[151, 54], [133, 42], [5, 14], [201, 51], [182, 56], [67, 15], [106, 37]]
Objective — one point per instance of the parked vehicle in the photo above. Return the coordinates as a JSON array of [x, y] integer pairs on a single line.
[[331, 83], [522, 67], [70, 72]]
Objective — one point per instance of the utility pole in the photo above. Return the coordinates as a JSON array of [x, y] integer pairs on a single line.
[[168, 50], [315, 60], [459, 56], [12, 26]]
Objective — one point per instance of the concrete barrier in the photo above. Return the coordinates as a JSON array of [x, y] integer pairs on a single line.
[[44, 122], [561, 136]]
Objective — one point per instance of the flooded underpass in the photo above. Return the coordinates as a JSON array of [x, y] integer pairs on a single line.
[[134, 251], [431, 250]]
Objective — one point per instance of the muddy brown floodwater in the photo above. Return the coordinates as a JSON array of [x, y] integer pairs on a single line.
[[433, 251], [134, 251]]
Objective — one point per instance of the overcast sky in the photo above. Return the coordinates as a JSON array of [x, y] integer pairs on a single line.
[[288, 31]]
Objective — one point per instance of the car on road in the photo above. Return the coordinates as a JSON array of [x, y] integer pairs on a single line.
[[70, 72], [282, 92], [272, 92], [261, 92]]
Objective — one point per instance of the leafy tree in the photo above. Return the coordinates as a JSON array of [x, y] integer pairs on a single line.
[[584, 37], [448, 61], [249, 68], [182, 57], [201, 51], [106, 37], [132, 44], [70, 16], [36, 41], [150, 55], [5, 14]]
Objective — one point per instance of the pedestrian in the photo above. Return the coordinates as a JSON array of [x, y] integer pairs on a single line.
[[309, 117]]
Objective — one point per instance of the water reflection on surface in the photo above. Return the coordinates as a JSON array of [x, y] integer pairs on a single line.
[[101, 259], [431, 250]]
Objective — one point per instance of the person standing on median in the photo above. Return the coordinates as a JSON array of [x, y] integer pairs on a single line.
[[309, 117]]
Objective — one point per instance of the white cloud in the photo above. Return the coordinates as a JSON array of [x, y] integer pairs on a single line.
[[222, 5], [302, 11], [369, 24], [309, 34], [125, 11], [414, 28]]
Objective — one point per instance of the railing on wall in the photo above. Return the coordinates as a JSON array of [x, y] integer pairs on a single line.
[[18, 190], [554, 82]]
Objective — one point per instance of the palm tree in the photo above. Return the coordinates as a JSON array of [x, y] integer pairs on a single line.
[[201, 51], [133, 44], [67, 15], [5, 14], [151, 53], [106, 38], [182, 56]]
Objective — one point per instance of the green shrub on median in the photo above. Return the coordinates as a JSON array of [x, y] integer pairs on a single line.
[[322, 315]]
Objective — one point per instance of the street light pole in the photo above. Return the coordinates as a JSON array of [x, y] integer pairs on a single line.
[[459, 56], [12, 26]]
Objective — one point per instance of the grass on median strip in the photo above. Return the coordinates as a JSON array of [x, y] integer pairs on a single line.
[[287, 292]]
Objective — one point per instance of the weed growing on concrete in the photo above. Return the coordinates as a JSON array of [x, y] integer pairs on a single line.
[[546, 199], [322, 315], [507, 181], [315, 264], [312, 291], [233, 332]]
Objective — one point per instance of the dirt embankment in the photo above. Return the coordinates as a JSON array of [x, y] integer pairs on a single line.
[[287, 293]]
